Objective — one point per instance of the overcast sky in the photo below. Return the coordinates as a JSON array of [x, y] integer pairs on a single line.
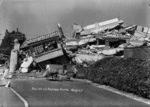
[[37, 17]]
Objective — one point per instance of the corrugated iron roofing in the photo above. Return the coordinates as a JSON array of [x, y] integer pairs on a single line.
[[40, 38], [102, 24]]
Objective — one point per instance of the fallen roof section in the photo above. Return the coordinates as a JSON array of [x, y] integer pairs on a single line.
[[108, 22], [42, 37]]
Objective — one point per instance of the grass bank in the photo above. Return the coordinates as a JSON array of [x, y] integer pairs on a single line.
[[130, 75]]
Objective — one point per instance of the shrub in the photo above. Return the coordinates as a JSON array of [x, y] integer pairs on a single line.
[[131, 75]]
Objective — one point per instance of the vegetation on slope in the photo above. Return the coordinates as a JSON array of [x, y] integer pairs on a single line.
[[130, 75]]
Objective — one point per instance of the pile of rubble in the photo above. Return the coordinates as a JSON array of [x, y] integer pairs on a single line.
[[88, 45], [104, 39]]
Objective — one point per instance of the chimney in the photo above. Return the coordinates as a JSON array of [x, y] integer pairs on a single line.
[[17, 30]]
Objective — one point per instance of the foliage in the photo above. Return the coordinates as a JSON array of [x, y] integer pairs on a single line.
[[131, 75]]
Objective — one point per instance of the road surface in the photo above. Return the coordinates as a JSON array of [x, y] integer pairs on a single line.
[[44, 93]]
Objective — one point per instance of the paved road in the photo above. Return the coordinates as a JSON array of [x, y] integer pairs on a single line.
[[9, 99], [44, 93]]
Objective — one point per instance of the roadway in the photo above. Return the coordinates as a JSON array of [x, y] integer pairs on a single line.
[[44, 93]]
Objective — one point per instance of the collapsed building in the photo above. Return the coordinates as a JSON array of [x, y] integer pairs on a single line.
[[36, 53], [46, 49], [94, 42], [104, 39], [88, 45]]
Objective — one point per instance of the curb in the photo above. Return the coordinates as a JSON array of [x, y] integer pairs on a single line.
[[129, 95], [111, 89], [81, 80]]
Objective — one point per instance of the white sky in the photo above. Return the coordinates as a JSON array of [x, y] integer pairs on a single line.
[[37, 17]]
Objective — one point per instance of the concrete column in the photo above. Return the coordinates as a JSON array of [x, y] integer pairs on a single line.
[[13, 59]]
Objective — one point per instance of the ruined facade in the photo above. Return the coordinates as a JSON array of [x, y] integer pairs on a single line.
[[45, 49], [8, 40]]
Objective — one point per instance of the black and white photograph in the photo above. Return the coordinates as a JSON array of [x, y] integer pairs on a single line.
[[74, 53]]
